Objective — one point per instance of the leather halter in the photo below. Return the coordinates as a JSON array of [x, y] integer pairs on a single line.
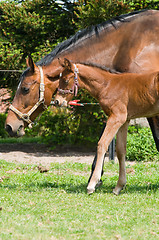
[[26, 116], [74, 89]]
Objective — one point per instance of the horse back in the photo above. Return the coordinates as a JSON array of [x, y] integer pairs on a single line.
[[138, 44]]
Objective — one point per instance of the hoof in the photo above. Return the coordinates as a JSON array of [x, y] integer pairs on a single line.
[[100, 183], [90, 190], [116, 192]]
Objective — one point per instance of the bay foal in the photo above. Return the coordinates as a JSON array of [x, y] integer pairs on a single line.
[[121, 96]]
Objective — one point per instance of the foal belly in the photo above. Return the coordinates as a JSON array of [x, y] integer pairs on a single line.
[[143, 111]]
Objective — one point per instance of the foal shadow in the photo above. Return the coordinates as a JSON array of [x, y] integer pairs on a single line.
[[33, 187], [147, 188], [81, 188], [71, 188]]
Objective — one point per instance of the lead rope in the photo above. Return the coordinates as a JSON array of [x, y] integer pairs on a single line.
[[76, 83]]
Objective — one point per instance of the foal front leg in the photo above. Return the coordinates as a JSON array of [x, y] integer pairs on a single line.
[[113, 124]]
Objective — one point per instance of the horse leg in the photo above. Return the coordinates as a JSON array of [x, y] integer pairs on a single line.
[[154, 125], [94, 164], [121, 140], [113, 124]]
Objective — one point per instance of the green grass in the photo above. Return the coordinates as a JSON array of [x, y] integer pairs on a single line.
[[55, 205]]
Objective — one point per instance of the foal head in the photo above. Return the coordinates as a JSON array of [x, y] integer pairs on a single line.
[[68, 84]]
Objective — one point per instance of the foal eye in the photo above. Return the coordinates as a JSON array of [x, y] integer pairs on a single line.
[[25, 90]]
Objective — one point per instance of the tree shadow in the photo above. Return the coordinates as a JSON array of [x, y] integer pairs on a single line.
[[39, 149]]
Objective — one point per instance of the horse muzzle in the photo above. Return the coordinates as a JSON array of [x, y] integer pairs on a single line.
[[15, 130]]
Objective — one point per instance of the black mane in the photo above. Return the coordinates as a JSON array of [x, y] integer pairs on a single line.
[[86, 33]]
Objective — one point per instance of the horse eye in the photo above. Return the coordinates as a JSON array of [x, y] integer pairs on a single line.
[[25, 90]]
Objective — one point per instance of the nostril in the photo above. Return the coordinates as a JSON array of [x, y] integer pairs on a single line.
[[57, 102], [9, 130]]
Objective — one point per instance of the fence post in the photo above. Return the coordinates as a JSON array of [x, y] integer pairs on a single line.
[[112, 150]]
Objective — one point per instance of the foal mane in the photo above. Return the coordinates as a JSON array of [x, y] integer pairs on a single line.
[[81, 35], [90, 64]]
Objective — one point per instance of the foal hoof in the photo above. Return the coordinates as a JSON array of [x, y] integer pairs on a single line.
[[116, 192], [90, 190], [100, 183]]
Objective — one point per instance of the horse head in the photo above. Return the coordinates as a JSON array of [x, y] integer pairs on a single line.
[[33, 95], [68, 84]]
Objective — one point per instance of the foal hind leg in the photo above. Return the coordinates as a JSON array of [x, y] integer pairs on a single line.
[[100, 182], [121, 152], [94, 164]]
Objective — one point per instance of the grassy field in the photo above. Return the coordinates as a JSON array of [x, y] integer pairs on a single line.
[[55, 205]]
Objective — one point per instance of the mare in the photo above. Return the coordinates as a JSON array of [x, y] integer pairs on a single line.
[[128, 43], [122, 96]]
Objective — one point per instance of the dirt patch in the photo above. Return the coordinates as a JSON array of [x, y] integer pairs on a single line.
[[32, 153], [41, 154]]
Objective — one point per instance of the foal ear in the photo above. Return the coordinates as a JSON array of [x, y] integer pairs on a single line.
[[30, 63], [68, 64], [61, 62], [65, 63]]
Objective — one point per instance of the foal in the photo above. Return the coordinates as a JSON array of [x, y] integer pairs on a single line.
[[121, 96]]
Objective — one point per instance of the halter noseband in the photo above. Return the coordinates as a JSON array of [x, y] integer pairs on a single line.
[[74, 89], [26, 116]]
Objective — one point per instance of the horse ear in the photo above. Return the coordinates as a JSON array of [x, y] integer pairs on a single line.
[[30, 63], [67, 64]]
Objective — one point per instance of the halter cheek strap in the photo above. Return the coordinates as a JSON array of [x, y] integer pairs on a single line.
[[26, 116], [76, 83], [74, 89]]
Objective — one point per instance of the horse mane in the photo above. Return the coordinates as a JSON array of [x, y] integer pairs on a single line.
[[87, 33], [90, 64]]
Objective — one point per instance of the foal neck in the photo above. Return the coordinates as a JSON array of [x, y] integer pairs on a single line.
[[92, 78]]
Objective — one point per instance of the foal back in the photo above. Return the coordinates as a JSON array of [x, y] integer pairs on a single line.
[[138, 92]]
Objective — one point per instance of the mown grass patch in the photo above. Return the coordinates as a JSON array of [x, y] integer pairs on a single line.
[[55, 205]]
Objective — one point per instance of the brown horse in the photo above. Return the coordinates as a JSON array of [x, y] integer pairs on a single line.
[[122, 97], [129, 43]]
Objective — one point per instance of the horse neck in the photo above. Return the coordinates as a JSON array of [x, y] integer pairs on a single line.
[[101, 46], [50, 83], [92, 49], [89, 50], [92, 78], [53, 69]]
